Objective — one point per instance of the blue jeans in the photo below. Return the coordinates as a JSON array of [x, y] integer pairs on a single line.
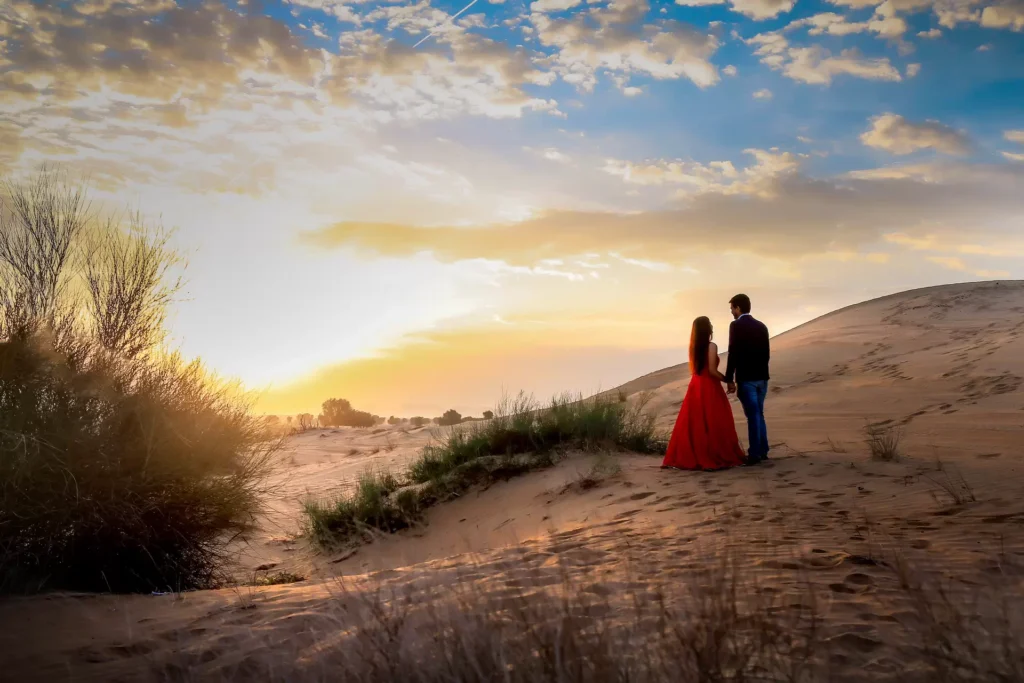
[[751, 395]]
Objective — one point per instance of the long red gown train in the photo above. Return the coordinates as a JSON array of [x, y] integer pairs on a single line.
[[704, 437]]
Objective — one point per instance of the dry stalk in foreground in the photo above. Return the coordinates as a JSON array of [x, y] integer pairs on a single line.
[[536, 624]]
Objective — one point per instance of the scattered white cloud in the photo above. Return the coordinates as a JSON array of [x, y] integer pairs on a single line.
[[763, 94], [913, 70], [1008, 15], [1014, 135], [755, 9], [930, 33], [551, 154], [885, 26], [897, 135], [817, 65], [719, 177], [957, 263], [615, 38], [730, 70], [553, 5]]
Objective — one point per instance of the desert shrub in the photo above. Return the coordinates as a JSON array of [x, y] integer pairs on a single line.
[[450, 417], [418, 421], [394, 420], [305, 421], [883, 441], [122, 467], [488, 414], [338, 412]]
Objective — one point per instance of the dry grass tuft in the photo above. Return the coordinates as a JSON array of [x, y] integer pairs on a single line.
[[952, 484], [883, 440], [715, 626]]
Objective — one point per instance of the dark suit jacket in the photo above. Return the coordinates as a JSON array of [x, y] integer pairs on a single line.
[[748, 350]]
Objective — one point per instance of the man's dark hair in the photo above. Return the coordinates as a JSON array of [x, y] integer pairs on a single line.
[[742, 302]]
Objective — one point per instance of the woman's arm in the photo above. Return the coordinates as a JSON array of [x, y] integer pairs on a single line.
[[713, 362]]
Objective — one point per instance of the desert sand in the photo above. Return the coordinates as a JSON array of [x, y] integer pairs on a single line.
[[946, 364]]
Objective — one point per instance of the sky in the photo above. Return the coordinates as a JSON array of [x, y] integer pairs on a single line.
[[426, 205]]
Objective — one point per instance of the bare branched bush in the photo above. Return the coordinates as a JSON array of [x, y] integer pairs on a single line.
[[128, 278], [122, 467], [883, 441]]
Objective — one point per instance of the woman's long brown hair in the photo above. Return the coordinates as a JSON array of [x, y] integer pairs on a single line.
[[700, 338]]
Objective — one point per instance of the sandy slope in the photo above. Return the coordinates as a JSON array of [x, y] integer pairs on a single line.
[[947, 363]]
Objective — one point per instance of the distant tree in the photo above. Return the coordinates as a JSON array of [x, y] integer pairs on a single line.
[[289, 419], [305, 420], [272, 420], [418, 421], [436, 420], [450, 417], [334, 412], [338, 412], [488, 415], [394, 420]]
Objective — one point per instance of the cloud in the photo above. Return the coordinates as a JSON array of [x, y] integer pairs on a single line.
[[730, 70], [615, 38], [763, 94], [897, 135], [755, 9], [815, 64], [145, 49], [913, 70], [757, 179], [1014, 136], [930, 33], [1007, 15], [886, 26], [799, 216], [553, 5], [551, 154], [956, 263]]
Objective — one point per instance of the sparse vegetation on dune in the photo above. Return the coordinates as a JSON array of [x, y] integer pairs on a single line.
[[521, 436], [883, 440], [121, 467], [715, 620]]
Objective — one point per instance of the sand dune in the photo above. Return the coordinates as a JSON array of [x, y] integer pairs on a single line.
[[945, 363]]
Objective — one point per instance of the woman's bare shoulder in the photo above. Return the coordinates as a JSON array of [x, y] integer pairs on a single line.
[[713, 347]]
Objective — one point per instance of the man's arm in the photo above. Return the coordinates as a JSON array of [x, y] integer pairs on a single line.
[[730, 363]]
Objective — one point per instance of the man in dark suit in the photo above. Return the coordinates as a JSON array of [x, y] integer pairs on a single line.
[[746, 373]]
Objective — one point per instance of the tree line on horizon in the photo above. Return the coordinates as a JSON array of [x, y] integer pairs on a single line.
[[338, 412]]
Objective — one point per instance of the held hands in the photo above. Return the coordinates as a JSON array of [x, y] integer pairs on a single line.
[[730, 387]]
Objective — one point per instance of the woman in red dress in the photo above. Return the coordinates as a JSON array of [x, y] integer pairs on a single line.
[[704, 437]]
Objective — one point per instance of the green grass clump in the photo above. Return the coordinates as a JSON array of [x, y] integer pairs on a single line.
[[277, 579], [522, 436], [370, 506]]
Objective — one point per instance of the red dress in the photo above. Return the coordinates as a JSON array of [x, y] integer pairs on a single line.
[[704, 437]]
